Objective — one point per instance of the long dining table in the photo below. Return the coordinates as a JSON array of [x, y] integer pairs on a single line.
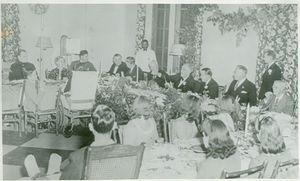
[[179, 160]]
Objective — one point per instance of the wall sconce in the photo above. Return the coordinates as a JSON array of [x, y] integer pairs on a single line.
[[177, 50], [47, 43]]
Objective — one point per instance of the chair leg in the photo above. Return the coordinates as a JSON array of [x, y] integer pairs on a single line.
[[36, 126], [20, 124], [25, 123]]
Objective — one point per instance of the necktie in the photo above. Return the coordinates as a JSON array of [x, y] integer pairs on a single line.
[[236, 85]]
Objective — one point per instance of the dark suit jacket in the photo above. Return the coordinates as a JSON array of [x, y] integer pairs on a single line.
[[212, 89], [273, 73], [285, 104], [122, 68], [189, 84], [159, 80], [246, 91], [132, 73]]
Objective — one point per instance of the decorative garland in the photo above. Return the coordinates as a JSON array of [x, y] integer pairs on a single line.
[[140, 22], [276, 27], [10, 28], [191, 34]]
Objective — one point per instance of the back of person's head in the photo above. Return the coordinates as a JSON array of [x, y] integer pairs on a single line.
[[130, 60], [270, 53], [28, 68], [83, 52], [207, 71], [142, 107], [271, 141], [220, 143], [190, 105], [103, 119], [242, 68]]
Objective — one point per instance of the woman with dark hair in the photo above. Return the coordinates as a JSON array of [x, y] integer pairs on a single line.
[[102, 123], [185, 127], [142, 128], [272, 146], [222, 152], [61, 67]]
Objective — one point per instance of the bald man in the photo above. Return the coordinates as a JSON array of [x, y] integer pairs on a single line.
[[279, 101]]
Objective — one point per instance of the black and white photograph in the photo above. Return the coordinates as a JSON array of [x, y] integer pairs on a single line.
[[149, 90]]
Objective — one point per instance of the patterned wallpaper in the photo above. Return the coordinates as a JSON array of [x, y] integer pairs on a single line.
[[140, 23], [10, 34], [278, 32]]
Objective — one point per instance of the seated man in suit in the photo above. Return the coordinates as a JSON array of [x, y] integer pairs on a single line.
[[184, 80], [209, 86], [241, 88], [156, 74], [134, 71], [118, 67], [279, 101]]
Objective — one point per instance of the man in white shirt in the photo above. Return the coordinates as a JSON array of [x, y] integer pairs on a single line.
[[144, 56], [241, 88]]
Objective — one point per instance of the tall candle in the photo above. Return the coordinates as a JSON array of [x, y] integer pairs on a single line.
[[137, 73], [59, 74], [100, 67], [247, 120]]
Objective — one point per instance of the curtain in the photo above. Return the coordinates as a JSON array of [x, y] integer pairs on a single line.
[[278, 32], [10, 32], [140, 22]]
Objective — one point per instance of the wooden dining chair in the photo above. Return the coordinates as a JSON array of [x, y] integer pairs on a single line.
[[113, 162], [284, 167], [46, 112], [12, 105], [260, 170]]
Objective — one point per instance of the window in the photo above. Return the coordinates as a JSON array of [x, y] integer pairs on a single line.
[[160, 38]]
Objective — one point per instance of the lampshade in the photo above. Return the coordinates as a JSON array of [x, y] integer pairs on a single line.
[[177, 49], [47, 43]]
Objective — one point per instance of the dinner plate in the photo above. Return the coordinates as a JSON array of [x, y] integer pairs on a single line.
[[199, 149]]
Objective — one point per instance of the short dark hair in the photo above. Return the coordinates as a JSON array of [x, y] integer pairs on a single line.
[[242, 68], [20, 51], [103, 118], [270, 53], [207, 71], [83, 52], [144, 40], [117, 55]]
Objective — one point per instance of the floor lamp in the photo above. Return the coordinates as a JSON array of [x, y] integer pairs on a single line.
[[41, 9], [43, 46], [177, 50]]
